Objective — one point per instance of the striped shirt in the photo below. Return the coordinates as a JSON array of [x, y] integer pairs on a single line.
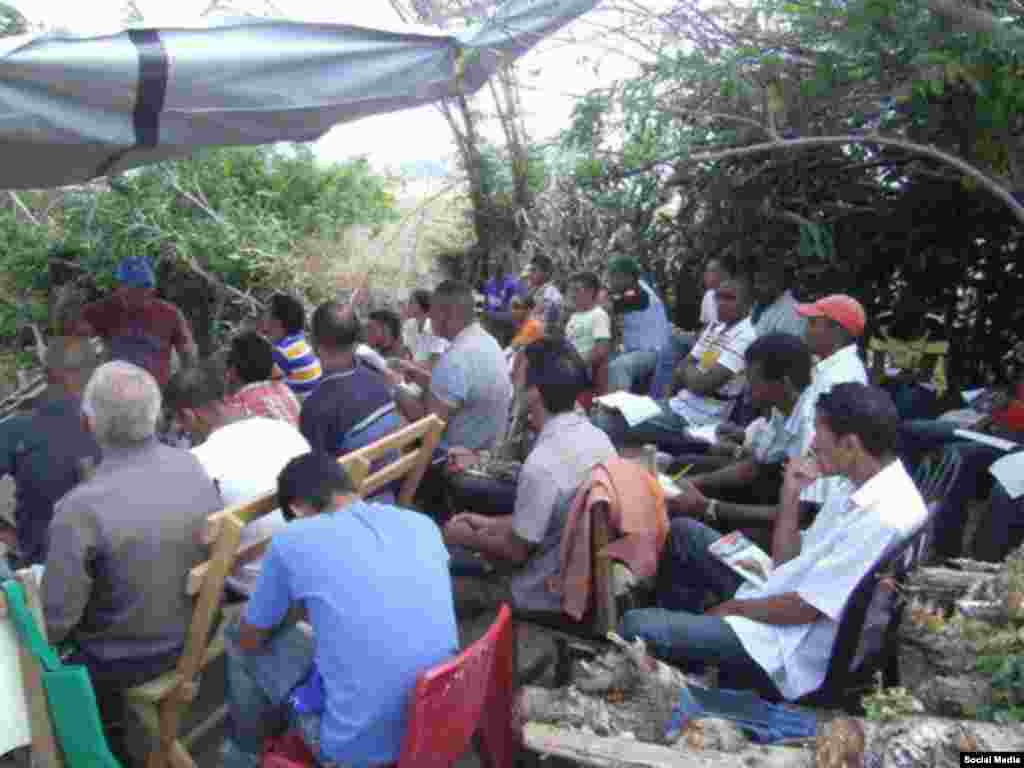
[[295, 361]]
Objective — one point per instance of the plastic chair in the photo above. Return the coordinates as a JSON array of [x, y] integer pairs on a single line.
[[461, 698]]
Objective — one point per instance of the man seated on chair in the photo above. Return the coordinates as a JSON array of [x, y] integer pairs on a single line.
[[45, 452], [568, 447], [709, 381], [122, 542], [469, 388], [778, 370], [250, 368], [373, 581], [353, 404], [240, 452], [645, 326], [784, 631]]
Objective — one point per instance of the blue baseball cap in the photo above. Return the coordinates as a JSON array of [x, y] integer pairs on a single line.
[[136, 272]]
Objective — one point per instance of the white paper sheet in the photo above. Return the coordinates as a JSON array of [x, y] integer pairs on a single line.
[[963, 417], [707, 434], [981, 437], [970, 395], [635, 409], [1009, 471], [14, 720]]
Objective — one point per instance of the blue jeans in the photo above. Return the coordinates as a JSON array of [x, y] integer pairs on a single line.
[[259, 683], [677, 348], [677, 629], [627, 369]]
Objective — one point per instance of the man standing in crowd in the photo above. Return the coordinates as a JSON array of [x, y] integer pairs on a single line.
[[425, 348], [783, 632], [374, 583], [47, 451], [547, 298], [136, 326], [294, 360], [122, 542]]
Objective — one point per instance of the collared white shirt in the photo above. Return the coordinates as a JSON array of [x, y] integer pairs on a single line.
[[781, 437], [843, 365], [852, 532]]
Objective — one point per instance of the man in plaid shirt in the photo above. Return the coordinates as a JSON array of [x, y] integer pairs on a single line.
[[250, 365]]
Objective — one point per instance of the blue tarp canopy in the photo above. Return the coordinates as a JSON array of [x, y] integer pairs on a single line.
[[72, 109]]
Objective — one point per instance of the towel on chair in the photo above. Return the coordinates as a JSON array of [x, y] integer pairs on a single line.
[[638, 524]]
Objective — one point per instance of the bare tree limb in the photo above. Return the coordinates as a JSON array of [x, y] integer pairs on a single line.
[[961, 165], [976, 20], [23, 208]]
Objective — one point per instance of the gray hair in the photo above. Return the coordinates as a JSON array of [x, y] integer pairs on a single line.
[[122, 403]]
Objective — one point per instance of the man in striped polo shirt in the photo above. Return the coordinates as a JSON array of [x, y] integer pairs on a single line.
[[294, 358]]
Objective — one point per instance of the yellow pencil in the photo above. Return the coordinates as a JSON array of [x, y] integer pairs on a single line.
[[682, 472]]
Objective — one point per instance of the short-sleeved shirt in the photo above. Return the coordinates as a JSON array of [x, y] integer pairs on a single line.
[[472, 379], [41, 451], [723, 345], [843, 365], [297, 363], [548, 305], [566, 450], [270, 399], [241, 474], [709, 308], [585, 329], [842, 544], [781, 437], [781, 317], [499, 291], [421, 342], [374, 580], [345, 403], [142, 336]]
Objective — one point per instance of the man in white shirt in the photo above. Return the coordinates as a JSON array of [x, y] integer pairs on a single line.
[[713, 276], [786, 629], [242, 454], [424, 347], [709, 381], [834, 324]]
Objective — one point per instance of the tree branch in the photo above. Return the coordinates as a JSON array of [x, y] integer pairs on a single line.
[[23, 208], [963, 166], [976, 20]]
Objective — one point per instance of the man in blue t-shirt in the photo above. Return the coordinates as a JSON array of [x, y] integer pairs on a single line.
[[373, 582]]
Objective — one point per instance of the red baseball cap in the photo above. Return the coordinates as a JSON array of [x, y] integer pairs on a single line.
[[845, 310]]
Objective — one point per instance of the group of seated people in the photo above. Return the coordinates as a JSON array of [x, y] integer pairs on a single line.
[[114, 513]]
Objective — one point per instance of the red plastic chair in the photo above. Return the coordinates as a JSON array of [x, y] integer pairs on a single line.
[[459, 698]]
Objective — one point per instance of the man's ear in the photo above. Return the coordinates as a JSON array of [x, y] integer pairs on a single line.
[[87, 424]]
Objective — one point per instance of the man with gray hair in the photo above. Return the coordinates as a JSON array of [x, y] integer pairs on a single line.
[[46, 451], [122, 542]]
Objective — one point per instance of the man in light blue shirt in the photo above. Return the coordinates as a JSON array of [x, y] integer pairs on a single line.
[[373, 581], [645, 326]]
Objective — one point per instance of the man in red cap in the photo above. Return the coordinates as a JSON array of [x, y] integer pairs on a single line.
[[834, 323]]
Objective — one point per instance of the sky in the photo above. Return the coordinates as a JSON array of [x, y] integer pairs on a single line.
[[565, 66]]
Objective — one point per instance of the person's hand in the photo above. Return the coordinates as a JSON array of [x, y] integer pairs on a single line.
[[460, 459], [800, 473], [690, 502], [459, 531], [728, 608]]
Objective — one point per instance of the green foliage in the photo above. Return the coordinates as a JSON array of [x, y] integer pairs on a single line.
[[244, 216]]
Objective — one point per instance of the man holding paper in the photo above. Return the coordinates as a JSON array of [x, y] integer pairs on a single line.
[[785, 630], [709, 381]]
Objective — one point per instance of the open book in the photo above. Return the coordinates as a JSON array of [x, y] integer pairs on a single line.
[[635, 409], [744, 557]]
